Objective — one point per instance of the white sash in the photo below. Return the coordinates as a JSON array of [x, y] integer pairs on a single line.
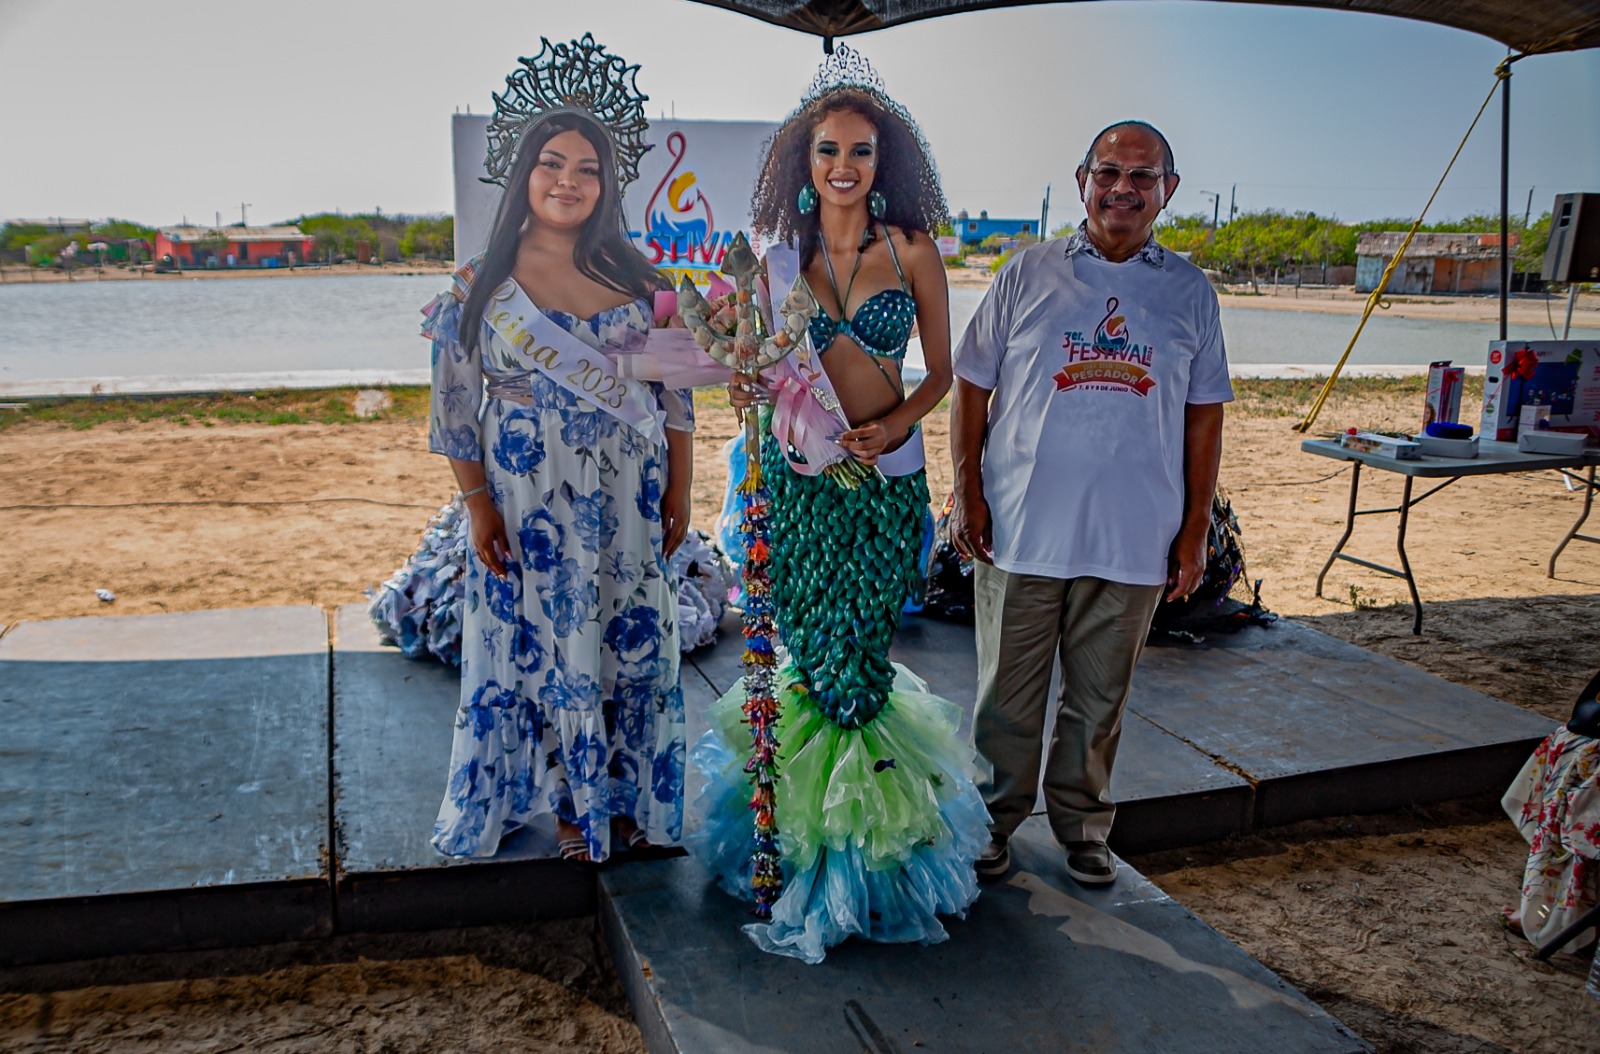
[[802, 374], [539, 344]]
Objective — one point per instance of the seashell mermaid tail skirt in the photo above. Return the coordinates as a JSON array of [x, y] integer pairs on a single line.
[[879, 825], [879, 819]]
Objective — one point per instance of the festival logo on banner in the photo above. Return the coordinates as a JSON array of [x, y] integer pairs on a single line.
[[1109, 362], [681, 236]]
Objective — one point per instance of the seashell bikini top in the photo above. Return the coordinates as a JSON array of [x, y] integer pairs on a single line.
[[882, 324]]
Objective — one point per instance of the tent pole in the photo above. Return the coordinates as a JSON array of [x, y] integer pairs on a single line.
[[1505, 179]]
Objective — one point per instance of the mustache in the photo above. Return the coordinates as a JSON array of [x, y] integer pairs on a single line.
[[1122, 199]]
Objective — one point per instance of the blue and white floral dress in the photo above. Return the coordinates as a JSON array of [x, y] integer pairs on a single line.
[[570, 702]]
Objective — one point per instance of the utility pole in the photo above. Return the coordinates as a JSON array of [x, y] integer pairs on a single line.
[[1527, 213], [1044, 215], [242, 206], [1233, 209], [1216, 206]]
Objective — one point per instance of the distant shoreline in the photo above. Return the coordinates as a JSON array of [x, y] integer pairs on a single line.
[[15, 275], [1523, 309]]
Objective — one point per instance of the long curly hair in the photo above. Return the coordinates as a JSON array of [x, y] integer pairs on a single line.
[[906, 176], [604, 251]]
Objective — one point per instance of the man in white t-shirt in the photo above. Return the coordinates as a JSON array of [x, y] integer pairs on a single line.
[[1086, 430]]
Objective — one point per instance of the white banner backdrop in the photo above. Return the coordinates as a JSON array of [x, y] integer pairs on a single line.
[[691, 197]]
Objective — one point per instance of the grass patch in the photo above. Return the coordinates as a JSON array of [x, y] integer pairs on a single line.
[[274, 407], [1287, 398], [1275, 397]]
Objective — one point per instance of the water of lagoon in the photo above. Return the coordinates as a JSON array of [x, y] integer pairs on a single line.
[[165, 327]]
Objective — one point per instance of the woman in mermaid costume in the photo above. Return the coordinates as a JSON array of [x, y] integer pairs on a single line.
[[878, 820]]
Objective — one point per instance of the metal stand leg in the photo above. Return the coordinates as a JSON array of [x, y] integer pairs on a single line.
[[1349, 526], [1588, 503], [1404, 509], [1405, 564]]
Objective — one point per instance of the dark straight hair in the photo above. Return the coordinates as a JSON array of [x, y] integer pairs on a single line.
[[604, 252]]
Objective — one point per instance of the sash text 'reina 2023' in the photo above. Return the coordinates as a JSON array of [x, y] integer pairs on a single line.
[[586, 372]]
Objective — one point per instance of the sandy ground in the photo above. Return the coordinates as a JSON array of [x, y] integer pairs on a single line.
[[538, 989], [1391, 922]]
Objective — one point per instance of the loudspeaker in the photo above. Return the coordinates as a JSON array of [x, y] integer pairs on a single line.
[[1573, 254]]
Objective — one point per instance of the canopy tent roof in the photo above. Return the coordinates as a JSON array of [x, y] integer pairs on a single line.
[[1527, 26]]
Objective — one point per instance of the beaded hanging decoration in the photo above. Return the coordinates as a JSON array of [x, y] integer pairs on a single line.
[[760, 666], [741, 345]]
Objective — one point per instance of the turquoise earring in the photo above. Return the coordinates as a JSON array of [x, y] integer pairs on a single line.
[[807, 200], [876, 205]]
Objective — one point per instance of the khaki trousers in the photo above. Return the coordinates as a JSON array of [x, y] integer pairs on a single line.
[[1023, 623]]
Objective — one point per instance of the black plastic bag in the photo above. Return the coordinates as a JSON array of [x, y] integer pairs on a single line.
[[1586, 714], [949, 577]]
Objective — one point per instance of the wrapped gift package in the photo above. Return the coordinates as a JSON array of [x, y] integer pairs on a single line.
[[1563, 375], [1397, 447], [1444, 393], [1551, 442]]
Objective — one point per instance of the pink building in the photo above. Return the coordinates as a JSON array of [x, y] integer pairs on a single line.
[[233, 246]]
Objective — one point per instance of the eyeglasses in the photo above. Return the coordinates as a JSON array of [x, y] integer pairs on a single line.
[[1108, 176]]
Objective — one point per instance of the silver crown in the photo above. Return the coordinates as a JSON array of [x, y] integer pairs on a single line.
[[847, 69], [580, 77], [844, 68]]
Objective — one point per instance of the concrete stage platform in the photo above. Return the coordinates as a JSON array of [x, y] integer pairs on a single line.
[[392, 725], [1040, 964], [163, 782], [236, 777]]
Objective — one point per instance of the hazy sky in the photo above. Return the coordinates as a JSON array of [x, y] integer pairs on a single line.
[[161, 109]]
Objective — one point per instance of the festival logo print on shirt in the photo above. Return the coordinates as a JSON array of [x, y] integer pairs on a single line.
[[1110, 362]]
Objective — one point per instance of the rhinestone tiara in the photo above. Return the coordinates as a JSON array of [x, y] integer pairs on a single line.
[[580, 77], [847, 69], [844, 68]]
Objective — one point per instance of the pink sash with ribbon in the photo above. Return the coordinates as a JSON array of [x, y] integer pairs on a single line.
[[806, 415]]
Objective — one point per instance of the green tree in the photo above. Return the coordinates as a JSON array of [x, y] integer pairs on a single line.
[[430, 236], [338, 234], [122, 230], [47, 247], [1187, 234], [15, 236], [1535, 240], [947, 230]]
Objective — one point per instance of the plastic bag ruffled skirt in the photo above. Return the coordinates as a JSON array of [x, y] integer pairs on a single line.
[[879, 825]]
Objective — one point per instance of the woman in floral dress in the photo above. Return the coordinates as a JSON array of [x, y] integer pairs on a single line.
[[570, 702]]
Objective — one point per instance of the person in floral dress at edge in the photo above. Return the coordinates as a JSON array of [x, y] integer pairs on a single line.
[[575, 494], [1555, 803]]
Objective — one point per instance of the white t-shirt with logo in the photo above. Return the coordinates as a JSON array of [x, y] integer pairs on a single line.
[[1091, 364]]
